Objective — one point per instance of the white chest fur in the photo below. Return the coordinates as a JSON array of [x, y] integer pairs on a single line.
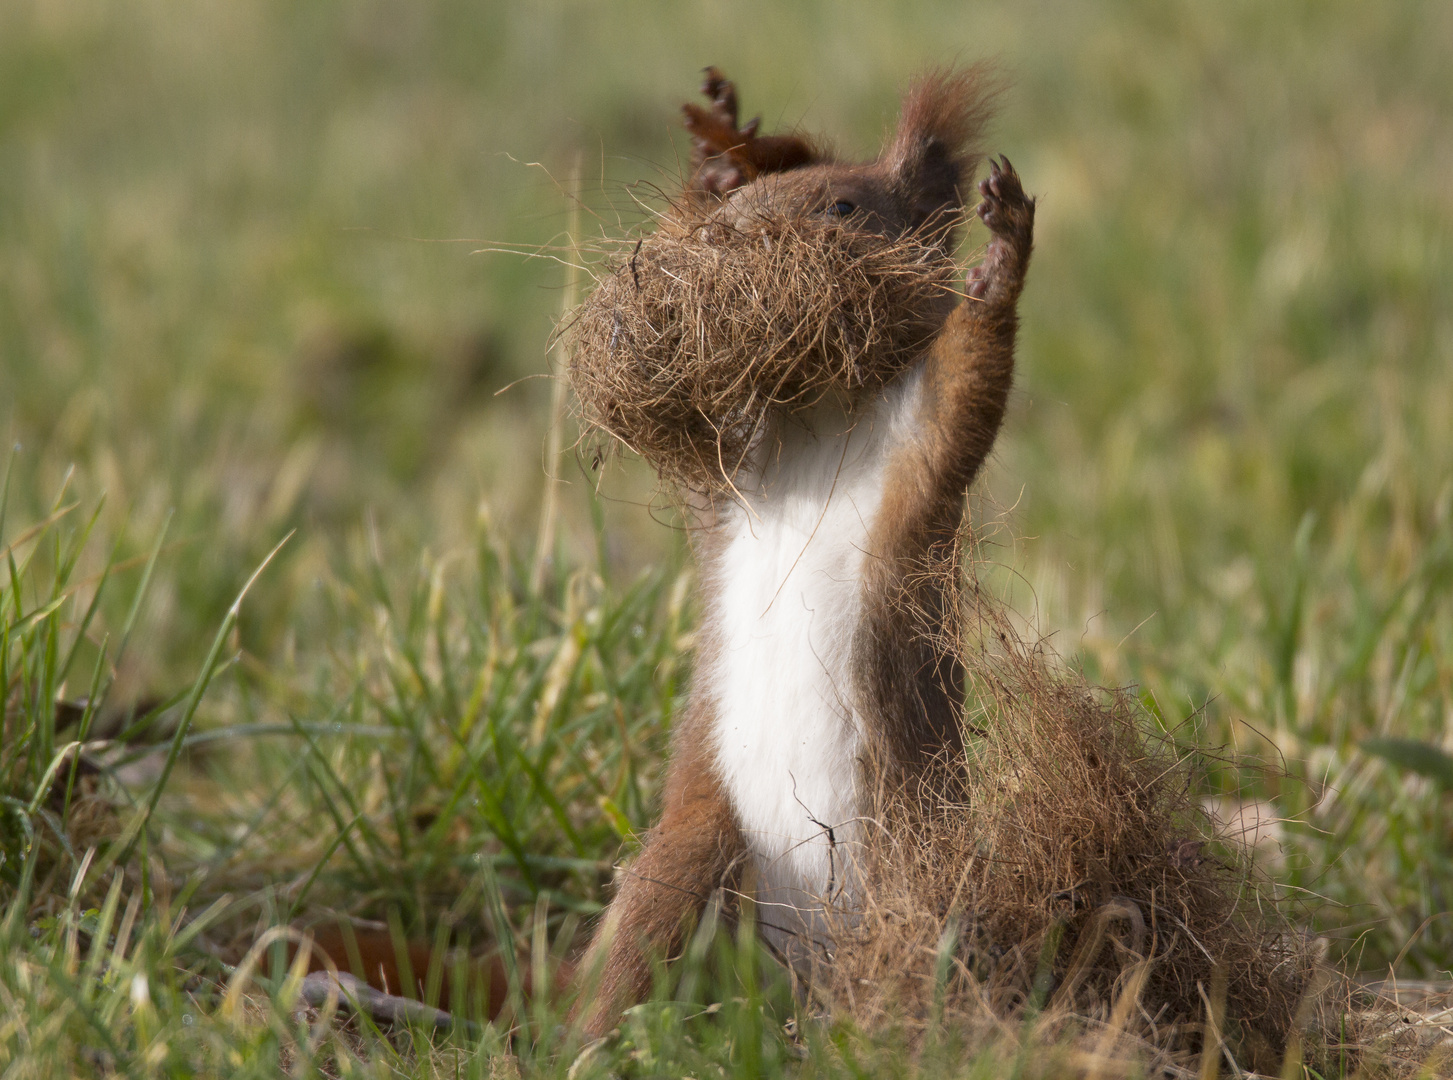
[[787, 604]]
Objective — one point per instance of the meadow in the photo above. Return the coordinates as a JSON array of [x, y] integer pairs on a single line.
[[277, 284]]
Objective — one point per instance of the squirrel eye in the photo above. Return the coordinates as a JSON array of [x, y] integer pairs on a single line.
[[841, 208]]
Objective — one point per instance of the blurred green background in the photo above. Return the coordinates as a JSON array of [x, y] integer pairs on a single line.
[[243, 278]]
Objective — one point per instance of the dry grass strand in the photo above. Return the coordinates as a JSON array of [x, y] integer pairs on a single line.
[[1063, 861]]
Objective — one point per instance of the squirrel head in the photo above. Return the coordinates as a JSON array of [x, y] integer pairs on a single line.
[[781, 277], [917, 184]]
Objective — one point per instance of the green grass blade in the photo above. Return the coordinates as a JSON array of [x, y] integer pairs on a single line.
[[1421, 758], [203, 680]]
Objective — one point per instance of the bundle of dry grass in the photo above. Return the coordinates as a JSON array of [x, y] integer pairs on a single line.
[[1063, 867], [698, 332]]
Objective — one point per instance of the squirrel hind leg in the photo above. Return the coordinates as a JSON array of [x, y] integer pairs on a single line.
[[1009, 214]]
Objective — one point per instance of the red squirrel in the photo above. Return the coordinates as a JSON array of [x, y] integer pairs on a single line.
[[821, 666]]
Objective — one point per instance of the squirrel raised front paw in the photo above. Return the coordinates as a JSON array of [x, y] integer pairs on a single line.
[[1009, 213]]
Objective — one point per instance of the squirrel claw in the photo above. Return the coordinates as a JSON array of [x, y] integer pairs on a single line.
[[1004, 207], [1009, 214]]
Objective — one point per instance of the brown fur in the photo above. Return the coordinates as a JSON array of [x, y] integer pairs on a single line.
[[695, 850], [910, 682], [970, 371]]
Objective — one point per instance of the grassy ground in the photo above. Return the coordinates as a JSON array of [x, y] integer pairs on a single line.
[[241, 296]]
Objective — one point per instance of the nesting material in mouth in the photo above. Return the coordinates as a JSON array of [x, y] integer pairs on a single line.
[[701, 330]]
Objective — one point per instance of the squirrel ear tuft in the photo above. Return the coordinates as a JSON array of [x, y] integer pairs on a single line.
[[724, 156], [936, 148]]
